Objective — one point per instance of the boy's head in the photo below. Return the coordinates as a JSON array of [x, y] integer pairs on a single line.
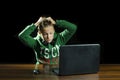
[[46, 28]]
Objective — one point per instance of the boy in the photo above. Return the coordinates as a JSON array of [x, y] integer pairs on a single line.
[[47, 42]]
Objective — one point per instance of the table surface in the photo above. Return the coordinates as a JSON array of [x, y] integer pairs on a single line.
[[24, 72]]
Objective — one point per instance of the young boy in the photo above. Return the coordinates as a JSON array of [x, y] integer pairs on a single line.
[[47, 42]]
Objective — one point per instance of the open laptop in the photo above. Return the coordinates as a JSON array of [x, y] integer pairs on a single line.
[[78, 59]]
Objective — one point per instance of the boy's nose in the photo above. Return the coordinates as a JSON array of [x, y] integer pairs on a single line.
[[48, 36]]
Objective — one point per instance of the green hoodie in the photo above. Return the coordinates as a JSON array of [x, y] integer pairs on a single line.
[[48, 52]]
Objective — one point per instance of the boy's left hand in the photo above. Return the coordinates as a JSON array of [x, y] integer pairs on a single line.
[[53, 21]]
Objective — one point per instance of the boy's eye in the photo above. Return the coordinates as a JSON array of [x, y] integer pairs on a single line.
[[51, 33], [44, 33]]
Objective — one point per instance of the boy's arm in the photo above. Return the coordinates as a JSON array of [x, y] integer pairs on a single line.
[[70, 29], [25, 37]]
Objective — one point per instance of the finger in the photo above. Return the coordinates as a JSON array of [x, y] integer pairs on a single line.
[[49, 18], [41, 19]]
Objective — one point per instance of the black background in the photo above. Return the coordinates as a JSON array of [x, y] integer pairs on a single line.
[[97, 23]]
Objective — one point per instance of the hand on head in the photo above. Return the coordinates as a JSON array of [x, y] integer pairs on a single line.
[[50, 19], [43, 18]]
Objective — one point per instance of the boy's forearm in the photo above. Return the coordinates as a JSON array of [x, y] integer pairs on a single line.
[[66, 25], [69, 30], [28, 30], [25, 37]]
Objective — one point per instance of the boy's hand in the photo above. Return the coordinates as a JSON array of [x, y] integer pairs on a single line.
[[42, 18], [50, 19], [39, 21]]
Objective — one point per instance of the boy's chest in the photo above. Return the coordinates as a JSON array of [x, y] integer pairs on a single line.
[[49, 51]]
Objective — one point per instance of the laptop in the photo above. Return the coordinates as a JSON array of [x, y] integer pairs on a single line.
[[78, 59]]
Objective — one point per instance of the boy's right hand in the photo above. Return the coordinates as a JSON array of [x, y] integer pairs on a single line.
[[39, 21]]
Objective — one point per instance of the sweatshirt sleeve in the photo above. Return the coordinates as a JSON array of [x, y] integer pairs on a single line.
[[25, 37], [69, 30]]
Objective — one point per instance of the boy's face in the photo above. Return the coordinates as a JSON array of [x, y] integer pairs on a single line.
[[48, 33]]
